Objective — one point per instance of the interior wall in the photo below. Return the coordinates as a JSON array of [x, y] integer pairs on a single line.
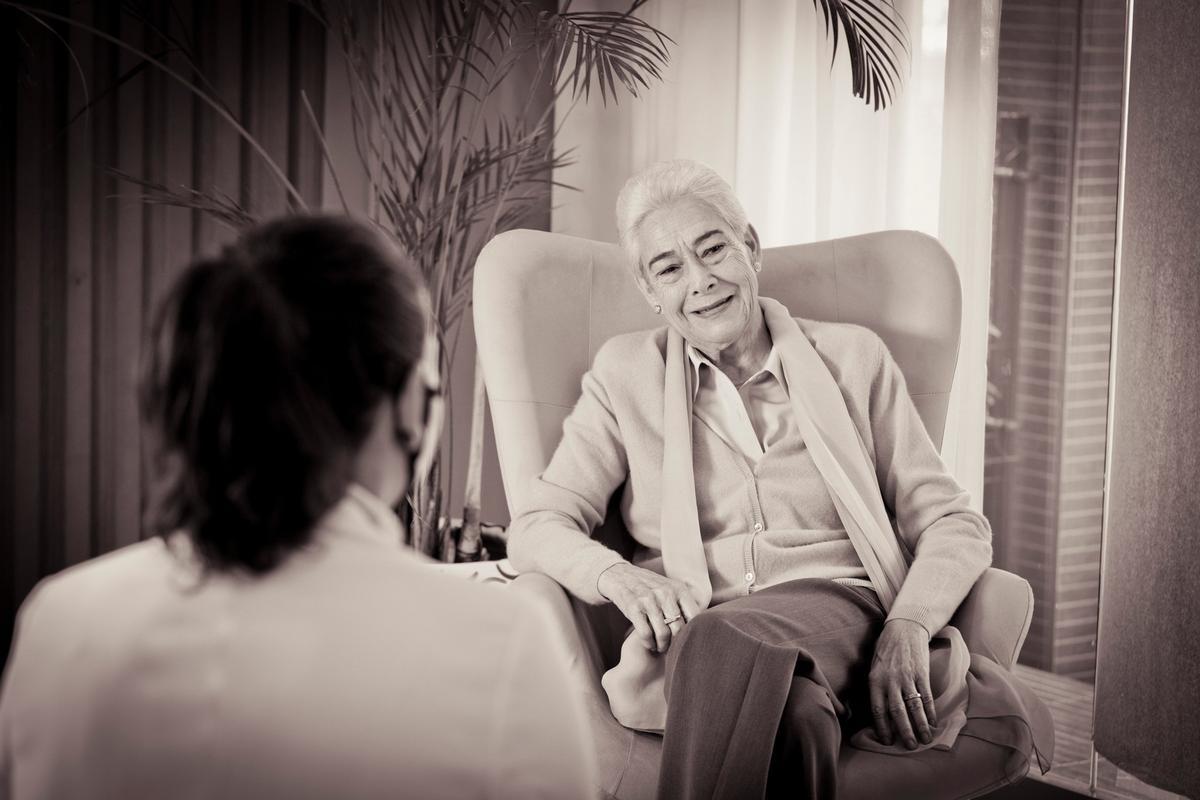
[[1149, 642], [85, 259]]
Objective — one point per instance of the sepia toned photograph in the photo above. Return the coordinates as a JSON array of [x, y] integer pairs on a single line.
[[608, 399]]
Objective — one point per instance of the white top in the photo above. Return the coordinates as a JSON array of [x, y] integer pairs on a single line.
[[349, 671], [750, 417]]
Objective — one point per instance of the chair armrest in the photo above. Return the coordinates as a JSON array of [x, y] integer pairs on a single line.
[[994, 618], [585, 662]]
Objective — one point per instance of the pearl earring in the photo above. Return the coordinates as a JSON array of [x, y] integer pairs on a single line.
[[657, 308], [758, 266]]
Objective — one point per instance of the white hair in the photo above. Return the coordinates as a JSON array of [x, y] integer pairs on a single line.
[[666, 182]]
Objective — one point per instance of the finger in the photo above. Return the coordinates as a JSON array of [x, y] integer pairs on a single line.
[[915, 705], [662, 633], [670, 608], [898, 714], [927, 699], [879, 712], [687, 604], [642, 629]]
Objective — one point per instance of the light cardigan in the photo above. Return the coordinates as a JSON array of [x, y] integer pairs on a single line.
[[614, 435]]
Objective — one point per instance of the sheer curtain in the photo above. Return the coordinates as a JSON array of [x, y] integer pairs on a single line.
[[750, 92]]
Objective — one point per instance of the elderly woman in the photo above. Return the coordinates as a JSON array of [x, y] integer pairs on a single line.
[[773, 601]]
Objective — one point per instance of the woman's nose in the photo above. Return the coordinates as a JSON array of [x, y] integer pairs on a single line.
[[702, 277]]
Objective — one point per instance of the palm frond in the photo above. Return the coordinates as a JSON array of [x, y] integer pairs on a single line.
[[212, 202], [615, 47], [876, 37]]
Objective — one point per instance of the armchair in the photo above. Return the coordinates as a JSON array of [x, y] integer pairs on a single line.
[[544, 303]]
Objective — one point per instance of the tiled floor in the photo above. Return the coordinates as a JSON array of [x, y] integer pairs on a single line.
[[1070, 702]]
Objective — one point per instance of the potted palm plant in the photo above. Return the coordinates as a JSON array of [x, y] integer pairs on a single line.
[[448, 171]]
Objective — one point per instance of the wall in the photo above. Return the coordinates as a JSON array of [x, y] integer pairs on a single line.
[[84, 260], [82, 267], [1147, 681]]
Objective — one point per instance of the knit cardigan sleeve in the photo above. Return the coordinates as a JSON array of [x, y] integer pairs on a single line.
[[552, 535], [949, 541]]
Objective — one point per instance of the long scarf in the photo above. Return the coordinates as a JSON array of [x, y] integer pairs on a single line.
[[635, 686]]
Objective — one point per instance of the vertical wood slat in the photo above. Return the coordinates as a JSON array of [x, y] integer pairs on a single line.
[[53, 316], [8, 420], [124, 456], [306, 72], [265, 107], [218, 147], [34, 110], [105, 224], [78, 348], [176, 126]]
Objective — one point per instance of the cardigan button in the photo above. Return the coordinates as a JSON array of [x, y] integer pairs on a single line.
[[749, 577], [758, 527]]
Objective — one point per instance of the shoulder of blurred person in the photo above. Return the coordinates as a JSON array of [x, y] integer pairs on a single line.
[[351, 670]]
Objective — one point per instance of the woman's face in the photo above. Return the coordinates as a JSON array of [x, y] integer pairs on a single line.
[[700, 272]]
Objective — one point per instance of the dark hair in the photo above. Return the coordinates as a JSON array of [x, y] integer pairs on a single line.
[[260, 374]]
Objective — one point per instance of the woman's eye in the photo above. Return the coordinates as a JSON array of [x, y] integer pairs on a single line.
[[664, 272], [712, 251]]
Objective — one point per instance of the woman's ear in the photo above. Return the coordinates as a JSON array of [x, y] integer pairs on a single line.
[[409, 407], [408, 412], [643, 285], [752, 244]]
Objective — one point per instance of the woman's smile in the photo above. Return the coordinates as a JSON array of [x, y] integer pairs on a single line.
[[714, 308]]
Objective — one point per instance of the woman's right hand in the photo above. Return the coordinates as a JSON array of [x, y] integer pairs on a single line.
[[649, 600]]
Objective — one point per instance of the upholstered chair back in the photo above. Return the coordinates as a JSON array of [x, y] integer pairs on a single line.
[[544, 303]]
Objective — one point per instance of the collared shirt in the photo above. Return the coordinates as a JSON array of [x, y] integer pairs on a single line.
[[750, 417]]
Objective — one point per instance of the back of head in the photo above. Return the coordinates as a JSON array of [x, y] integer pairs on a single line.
[[667, 182], [261, 373]]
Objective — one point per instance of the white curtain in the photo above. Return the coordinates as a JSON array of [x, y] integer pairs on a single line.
[[751, 92]]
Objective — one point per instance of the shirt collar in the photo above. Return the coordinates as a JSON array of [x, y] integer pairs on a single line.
[[773, 366], [362, 513]]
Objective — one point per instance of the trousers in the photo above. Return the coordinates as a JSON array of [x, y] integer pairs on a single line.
[[762, 689]]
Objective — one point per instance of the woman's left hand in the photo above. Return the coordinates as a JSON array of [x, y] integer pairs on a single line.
[[901, 700]]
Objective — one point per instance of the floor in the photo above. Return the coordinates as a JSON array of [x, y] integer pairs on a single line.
[[1070, 702]]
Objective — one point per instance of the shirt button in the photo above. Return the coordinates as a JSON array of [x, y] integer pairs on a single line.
[[749, 577], [758, 527]]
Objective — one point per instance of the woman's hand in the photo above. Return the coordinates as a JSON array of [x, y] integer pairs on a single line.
[[901, 700], [656, 605]]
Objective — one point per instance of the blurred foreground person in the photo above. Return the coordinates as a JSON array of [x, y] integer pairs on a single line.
[[274, 639]]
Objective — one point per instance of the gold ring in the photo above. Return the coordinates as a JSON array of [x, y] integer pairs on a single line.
[[912, 697], [676, 618]]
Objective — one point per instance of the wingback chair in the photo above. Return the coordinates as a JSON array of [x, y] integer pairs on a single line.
[[544, 303]]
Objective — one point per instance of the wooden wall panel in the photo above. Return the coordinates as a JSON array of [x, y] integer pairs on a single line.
[[265, 68], [10, 64], [218, 155], [85, 259], [78, 351], [124, 323]]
